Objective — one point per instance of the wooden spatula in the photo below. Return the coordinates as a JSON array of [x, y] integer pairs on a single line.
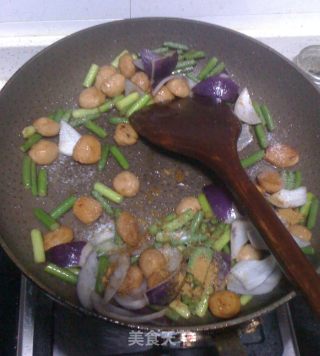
[[208, 133]]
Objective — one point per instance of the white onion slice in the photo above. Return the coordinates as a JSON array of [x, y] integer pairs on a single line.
[[103, 233], [267, 286], [289, 198], [87, 249], [251, 273], [87, 280], [68, 138], [255, 238], [238, 236], [117, 313], [244, 109], [122, 265], [245, 137], [130, 302], [173, 257]]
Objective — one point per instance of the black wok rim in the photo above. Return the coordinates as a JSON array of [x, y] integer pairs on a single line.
[[78, 308]]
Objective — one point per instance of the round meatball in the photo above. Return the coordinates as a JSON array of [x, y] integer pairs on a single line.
[[163, 95], [151, 260], [91, 98], [114, 85], [224, 304], [188, 203], [125, 135], [62, 235], [87, 150], [46, 127], [132, 281], [179, 87], [141, 80], [128, 229], [126, 184], [87, 209], [126, 65], [157, 277], [104, 73], [44, 152]]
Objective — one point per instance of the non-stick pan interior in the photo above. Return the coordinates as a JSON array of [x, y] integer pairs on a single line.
[[53, 79]]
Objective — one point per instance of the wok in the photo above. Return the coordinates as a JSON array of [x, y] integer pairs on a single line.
[[53, 78]]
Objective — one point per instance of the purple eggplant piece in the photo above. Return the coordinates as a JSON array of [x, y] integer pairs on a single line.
[[158, 67], [219, 87], [66, 255], [220, 201], [223, 260], [166, 292]]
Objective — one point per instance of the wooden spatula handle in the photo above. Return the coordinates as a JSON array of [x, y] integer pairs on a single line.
[[293, 262]]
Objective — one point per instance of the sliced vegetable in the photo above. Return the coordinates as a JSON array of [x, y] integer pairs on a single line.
[[118, 120], [223, 240], [28, 131], [221, 202], [119, 156], [252, 159], [199, 262], [289, 198], [68, 138], [127, 101], [245, 137], [158, 67], [175, 45], [91, 75], [131, 302], [66, 255], [205, 206], [87, 280], [96, 129], [37, 246], [265, 287], [244, 109], [261, 135], [219, 87], [207, 68], [219, 68], [138, 105], [34, 181], [267, 117], [122, 264], [42, 182], [239, 236], [107, 192], [312, 216], [103, 265], [179, 222], [62, 273], [304, 210], [63, 207], [26, 172], [252, 273], [30, 142], [105, 149], [105, 204], [45, 219], [180, 308]]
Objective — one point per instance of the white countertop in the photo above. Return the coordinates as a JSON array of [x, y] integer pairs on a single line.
[[286, 33]]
